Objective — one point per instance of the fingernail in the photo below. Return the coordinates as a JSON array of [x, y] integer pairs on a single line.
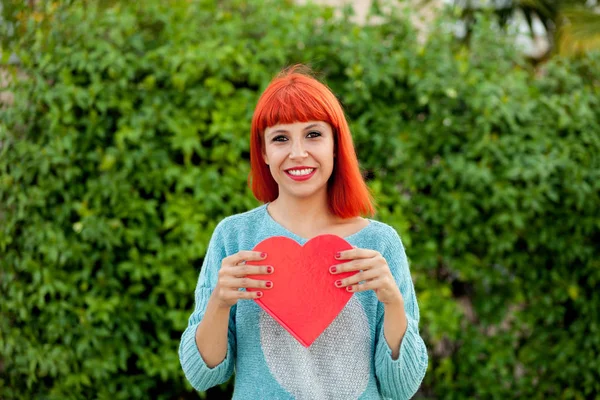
[[333, 270], [263, 255], [349, 288], [269, 270], [338, 283], [269, 284], [258, 294], [338, 255]]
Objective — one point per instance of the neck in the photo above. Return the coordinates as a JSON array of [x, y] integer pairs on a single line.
[[310, 212]]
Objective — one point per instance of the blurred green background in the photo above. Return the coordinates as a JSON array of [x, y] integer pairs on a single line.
[[124, 140]]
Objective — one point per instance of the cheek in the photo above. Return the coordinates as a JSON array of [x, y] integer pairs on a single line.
[[270, 152], [323, 150], [326, 155], [275, 156]]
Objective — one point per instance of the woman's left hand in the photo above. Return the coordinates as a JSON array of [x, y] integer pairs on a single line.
[[374, 271]]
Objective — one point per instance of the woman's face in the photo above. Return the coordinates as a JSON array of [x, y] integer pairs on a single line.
[[300, 156]]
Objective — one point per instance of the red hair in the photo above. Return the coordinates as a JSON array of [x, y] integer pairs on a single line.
[[295, 96]]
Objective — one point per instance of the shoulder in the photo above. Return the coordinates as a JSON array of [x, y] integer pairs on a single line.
[[236, 220], [392, 249], [384, 231], [385, 238], [238, 225]]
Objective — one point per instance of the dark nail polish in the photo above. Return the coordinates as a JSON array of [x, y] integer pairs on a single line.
[[338, 283], [263, 255], [269, 284], [333, 270], [258, 294], [349, 288], [269, 270]]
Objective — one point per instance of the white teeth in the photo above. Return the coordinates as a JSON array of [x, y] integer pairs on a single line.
[[300, 172]]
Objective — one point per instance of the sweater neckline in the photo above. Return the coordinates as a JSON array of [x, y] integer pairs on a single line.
[[301, 239]]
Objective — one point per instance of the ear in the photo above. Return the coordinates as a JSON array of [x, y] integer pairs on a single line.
[[264, 156]]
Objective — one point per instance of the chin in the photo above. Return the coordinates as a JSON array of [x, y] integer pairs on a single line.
[[304, 194]]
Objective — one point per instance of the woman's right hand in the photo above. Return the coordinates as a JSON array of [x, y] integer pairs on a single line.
[[233, 276]]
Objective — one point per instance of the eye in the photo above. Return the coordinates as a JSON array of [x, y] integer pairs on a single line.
[[317, 134], [278, 138]]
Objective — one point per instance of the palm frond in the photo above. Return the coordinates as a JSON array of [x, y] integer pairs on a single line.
[[579, 31], [544, 8]]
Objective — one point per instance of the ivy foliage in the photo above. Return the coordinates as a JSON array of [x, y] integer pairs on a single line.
[[127, 142]]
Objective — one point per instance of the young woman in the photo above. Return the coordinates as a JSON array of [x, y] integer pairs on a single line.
[[305, 170]]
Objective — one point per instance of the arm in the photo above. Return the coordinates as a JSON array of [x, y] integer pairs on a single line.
[[400, 353], [208, 345], [202, 374], [394, 326], [211, 334]]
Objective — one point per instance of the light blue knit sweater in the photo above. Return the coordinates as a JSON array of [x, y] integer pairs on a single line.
[[350, 360]]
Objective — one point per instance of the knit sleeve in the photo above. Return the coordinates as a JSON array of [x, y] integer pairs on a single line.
[[200, 376], [400, 378]]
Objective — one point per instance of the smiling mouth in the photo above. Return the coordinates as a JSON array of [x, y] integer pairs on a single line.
[[300, 172]]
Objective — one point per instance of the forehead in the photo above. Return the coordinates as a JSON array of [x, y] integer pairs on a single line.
[[296, 126]]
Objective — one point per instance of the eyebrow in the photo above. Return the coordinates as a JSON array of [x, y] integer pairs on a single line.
[[284, 131]]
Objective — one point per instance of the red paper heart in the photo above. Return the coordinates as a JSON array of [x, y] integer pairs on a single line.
[[304, 299]]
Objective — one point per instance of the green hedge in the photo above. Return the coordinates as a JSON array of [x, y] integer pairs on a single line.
[[128, 142]]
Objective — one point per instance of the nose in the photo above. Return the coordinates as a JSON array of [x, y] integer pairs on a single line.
[[298, 151]]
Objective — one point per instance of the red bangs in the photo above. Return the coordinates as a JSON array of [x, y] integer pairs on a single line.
[[288, 104], [295, 97]]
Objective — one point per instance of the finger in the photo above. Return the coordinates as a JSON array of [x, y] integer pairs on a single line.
[[357, 278], [232, 281], [243, 256], [356, 253], [251, 283], [354, 265], [246, 295], [241, 271], [362, 287]]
